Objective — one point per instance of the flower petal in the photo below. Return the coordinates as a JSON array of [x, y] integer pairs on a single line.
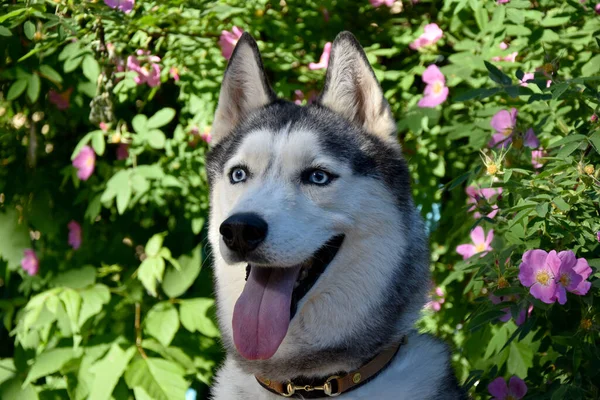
[[478, 235], [498, 388], [517, 387], [433, 74], [466, 250]]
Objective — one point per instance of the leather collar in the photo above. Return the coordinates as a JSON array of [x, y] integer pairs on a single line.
[[336, 384]]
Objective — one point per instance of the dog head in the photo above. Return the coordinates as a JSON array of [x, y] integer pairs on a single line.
[[320, 256]]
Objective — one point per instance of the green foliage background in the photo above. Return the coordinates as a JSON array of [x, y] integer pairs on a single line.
[[130, 314]]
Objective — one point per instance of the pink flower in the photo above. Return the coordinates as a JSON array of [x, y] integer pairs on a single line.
[[539, 271], [74, 234], [479, 197], [526, 77], [124, 5], [437, 299], [512, 57], [174, 72], [228, 40], [598, 236], [30, 262], [505, 122], [481, 243], [103, 126], [122, 151], [593, 118], [503, 1], [206, 136], [503, 46], [377, 3], [579, 286], [432, 33], [436, 91], [85, 163], [516, 388], [149, 76], [324, 60], [60, 100], [597, 8], [536, 158]]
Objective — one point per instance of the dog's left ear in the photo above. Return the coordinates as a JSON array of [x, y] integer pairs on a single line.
[[245, 88], [352, 90]]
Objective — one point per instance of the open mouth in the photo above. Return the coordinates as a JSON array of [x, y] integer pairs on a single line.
[[269, 301]]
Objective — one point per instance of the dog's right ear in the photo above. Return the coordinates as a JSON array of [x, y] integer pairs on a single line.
[[245, 88]]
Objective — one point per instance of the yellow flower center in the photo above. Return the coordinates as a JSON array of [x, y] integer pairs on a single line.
[[543, 277], [438, 87], [480, 247], [507, 131], [564, 280], [492, 169], [89, 162], [586, 324], [502, 282], [510, 397], [589, 169]]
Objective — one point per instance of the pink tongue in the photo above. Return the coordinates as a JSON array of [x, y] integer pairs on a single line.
[[262, 313]]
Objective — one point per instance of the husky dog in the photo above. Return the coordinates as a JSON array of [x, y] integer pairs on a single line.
[[321, 260]]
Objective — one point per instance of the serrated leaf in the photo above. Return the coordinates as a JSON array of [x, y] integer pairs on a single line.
[[162, 322], [161, 118], [33, 87], [154, 244], [150, 272], [92, 301], [16, 89], [49, 362], [108, 371], [520, 359], [29, 29], [194, 316], [160, 379], [175, 283], [98, 142], [50, 73]]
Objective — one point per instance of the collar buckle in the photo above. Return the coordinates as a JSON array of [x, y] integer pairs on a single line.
[[327, 388]]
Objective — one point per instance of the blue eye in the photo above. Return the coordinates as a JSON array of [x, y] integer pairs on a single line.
[[238, 174], [319, 177]]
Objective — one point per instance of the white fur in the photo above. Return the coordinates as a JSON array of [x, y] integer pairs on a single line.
[[415, 374]]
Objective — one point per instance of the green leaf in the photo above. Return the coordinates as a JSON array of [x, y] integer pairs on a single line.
[[515, 16], [4, 31], [14, 238], [71, 64], [50, 73], [13, 389], [154, 244], [49, 362], [77, 278], [140, 123], [16, 89], [496, 75], [92, 301], [520, 359], [7, 369], [175, 283], [84, 141], [162, 322], [33, 87], [160, 379], [108, 371], [29, 29], [595, 141], [13, 13], [194, 316], [91, 69], [98, 142], [151, 270], [156, 139], [561, 204], [69, 51], [161, 118]]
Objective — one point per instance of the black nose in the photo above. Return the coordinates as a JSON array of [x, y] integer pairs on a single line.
[[243, 232]]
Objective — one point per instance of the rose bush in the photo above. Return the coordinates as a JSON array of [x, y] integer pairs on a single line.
[[105, 114]]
